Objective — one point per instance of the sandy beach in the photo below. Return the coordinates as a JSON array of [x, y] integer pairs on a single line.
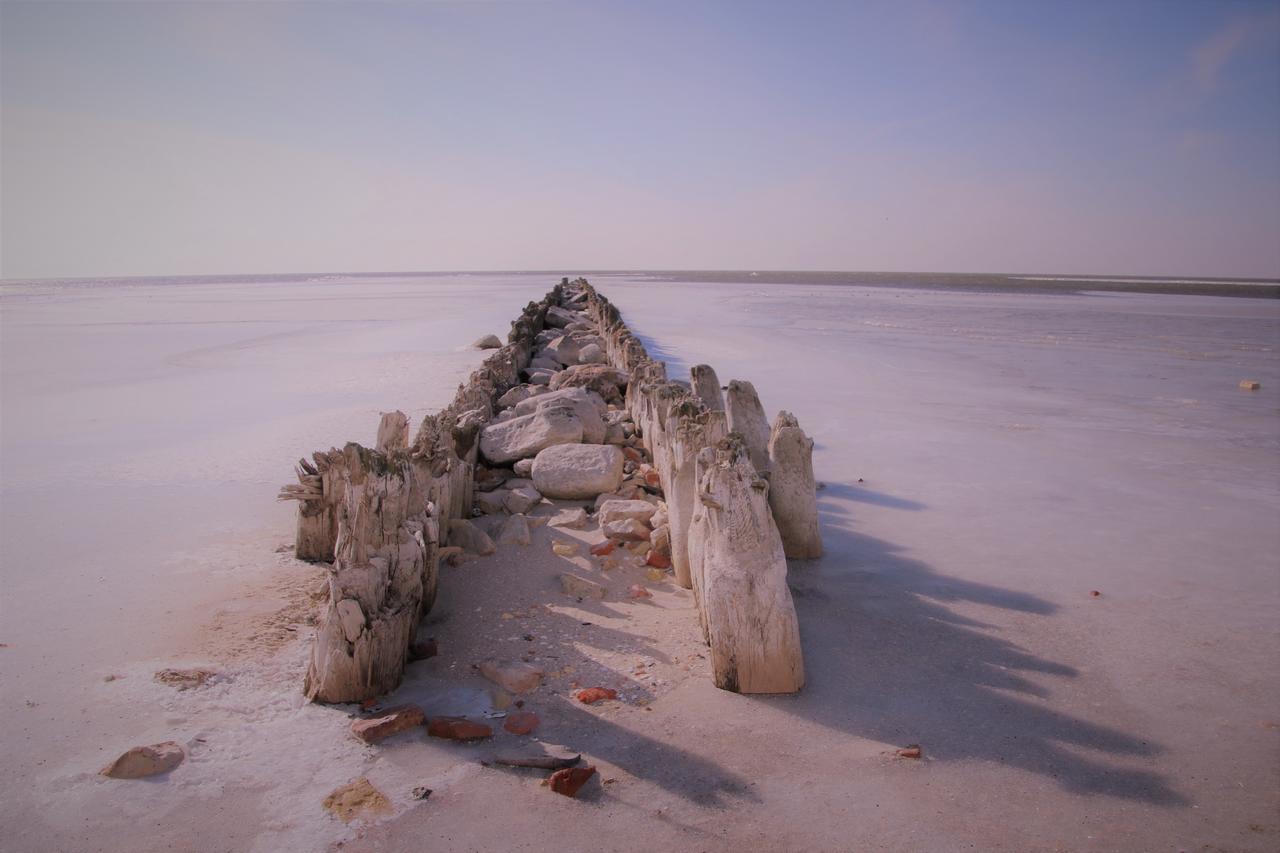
[[989, 461]]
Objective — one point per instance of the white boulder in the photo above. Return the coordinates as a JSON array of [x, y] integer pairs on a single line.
[[525, 436], [558, 317], [587, 405], [627, 530], [519, 501], [641, 511], [577, 471], [574, 519]]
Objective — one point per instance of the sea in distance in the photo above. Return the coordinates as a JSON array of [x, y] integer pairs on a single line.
[[1041, 283]]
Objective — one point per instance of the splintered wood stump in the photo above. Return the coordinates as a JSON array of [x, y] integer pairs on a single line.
[[384, 569], [793, 495], [317, 492], [740, 577], [707, 386], [690, 433], [393, 432], [747, 419]]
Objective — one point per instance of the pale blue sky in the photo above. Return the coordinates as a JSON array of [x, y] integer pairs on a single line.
[[1080, 137]]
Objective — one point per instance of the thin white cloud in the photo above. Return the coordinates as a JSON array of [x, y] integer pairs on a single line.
[[1238, 34]]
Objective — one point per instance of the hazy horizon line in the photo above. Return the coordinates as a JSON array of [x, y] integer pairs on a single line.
[[1172, 277]]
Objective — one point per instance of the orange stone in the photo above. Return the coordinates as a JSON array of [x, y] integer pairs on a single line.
[[658, 561], [592, 695], [603, 548], [569, 780]]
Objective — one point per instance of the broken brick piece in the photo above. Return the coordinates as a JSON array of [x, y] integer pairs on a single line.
[[458, 728], [521, 723]]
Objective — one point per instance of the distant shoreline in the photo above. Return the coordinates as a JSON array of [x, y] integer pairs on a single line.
[[1040, 283]]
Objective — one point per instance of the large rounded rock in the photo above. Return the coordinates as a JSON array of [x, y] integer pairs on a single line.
[[606, 381], [564, 350], [577, 471], [558, 317], [518, 438], [587, 405]]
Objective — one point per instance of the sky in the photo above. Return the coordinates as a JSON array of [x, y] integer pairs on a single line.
[[1138, 138]]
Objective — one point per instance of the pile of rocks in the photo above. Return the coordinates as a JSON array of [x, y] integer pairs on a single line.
[[564, 435], [571, 409]]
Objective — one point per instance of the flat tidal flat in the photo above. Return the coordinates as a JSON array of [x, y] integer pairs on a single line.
[[990, 461]]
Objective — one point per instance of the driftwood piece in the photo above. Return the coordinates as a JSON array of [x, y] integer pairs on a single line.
[[541, 762], [740, 573], [793, 495], [385, 566], [317, 493]]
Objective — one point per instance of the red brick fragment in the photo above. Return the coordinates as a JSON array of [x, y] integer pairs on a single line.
[[457, 728], [658, 561], [521, 723]]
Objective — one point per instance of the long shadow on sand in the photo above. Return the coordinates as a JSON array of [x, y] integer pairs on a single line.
[[864, 495], [677, 367], [887, 659]]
